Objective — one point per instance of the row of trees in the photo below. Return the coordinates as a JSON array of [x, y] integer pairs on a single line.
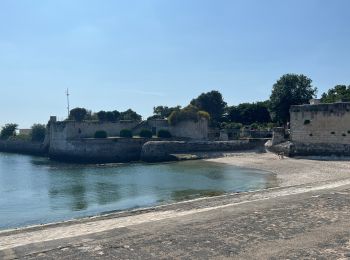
[[290, 89], [37, 133], [79, 114]]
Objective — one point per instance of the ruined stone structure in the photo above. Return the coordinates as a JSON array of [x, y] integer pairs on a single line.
[[320, 129]]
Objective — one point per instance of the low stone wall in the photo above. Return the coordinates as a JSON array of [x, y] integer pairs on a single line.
[[97, 150], [320, 149], [24, 147], [164, 150]]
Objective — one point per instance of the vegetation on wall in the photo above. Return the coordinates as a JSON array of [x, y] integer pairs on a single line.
[[78, 114], [114, 116], [189, 113]]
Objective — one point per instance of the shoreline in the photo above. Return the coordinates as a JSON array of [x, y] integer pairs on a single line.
[[254, 160], [298, 178]]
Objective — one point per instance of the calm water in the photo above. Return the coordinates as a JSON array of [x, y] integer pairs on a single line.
[[36, 190]]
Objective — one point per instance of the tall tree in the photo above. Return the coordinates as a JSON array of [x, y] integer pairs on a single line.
[[213, 103], [249, 113], [78, 114], [164, 111], [338, 93], [38, 132], [8, 130], [130, 115], [290, 89]]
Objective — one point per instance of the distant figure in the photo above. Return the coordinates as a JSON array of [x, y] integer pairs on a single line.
[[280, 155]]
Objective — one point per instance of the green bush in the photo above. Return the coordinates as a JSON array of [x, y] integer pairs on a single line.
[[38, 132], [100, 134], [189, 113], [162, 133], [146, 133], [126, 133]]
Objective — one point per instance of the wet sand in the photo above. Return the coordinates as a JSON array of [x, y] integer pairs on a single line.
[[291, 171]]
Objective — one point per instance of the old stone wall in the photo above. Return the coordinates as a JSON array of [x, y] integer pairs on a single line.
[[68, 130], [97, 150], [184, 129], [320, 149], [190, 129], [320, 124], [21, 146], [163, 150]]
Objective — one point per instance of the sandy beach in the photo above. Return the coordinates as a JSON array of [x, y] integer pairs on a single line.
[[291, 171], [309, 190]]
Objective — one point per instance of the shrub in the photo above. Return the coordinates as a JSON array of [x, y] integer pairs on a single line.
[[100, 134], [38, 132], [232, 125], [126, 133], [162, 133], [146, 133], [189, 113]]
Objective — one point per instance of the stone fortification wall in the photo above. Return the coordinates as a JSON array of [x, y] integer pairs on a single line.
[[184, 129], [320, 123], [163, 150], [68, 130], [190, 129], [97, 150], [25, 147], [320, 149]]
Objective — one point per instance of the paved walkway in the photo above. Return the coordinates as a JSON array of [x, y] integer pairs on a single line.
[[309, 221]]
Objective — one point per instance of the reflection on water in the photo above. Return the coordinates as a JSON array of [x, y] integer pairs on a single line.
[[36, 190]]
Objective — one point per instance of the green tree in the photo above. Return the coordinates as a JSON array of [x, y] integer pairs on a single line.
[[78, 114], [249, 113], [213, 103], [290, 89], [338, 93], [164, 111], [130, 115], [38, 132], [8, 130]]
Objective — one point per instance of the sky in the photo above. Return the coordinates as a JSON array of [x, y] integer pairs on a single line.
[[115, 55]]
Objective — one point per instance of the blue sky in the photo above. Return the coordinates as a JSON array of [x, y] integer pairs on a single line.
[[138, 54]]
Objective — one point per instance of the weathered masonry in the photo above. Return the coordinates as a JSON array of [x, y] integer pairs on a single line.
[[320, 129]]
